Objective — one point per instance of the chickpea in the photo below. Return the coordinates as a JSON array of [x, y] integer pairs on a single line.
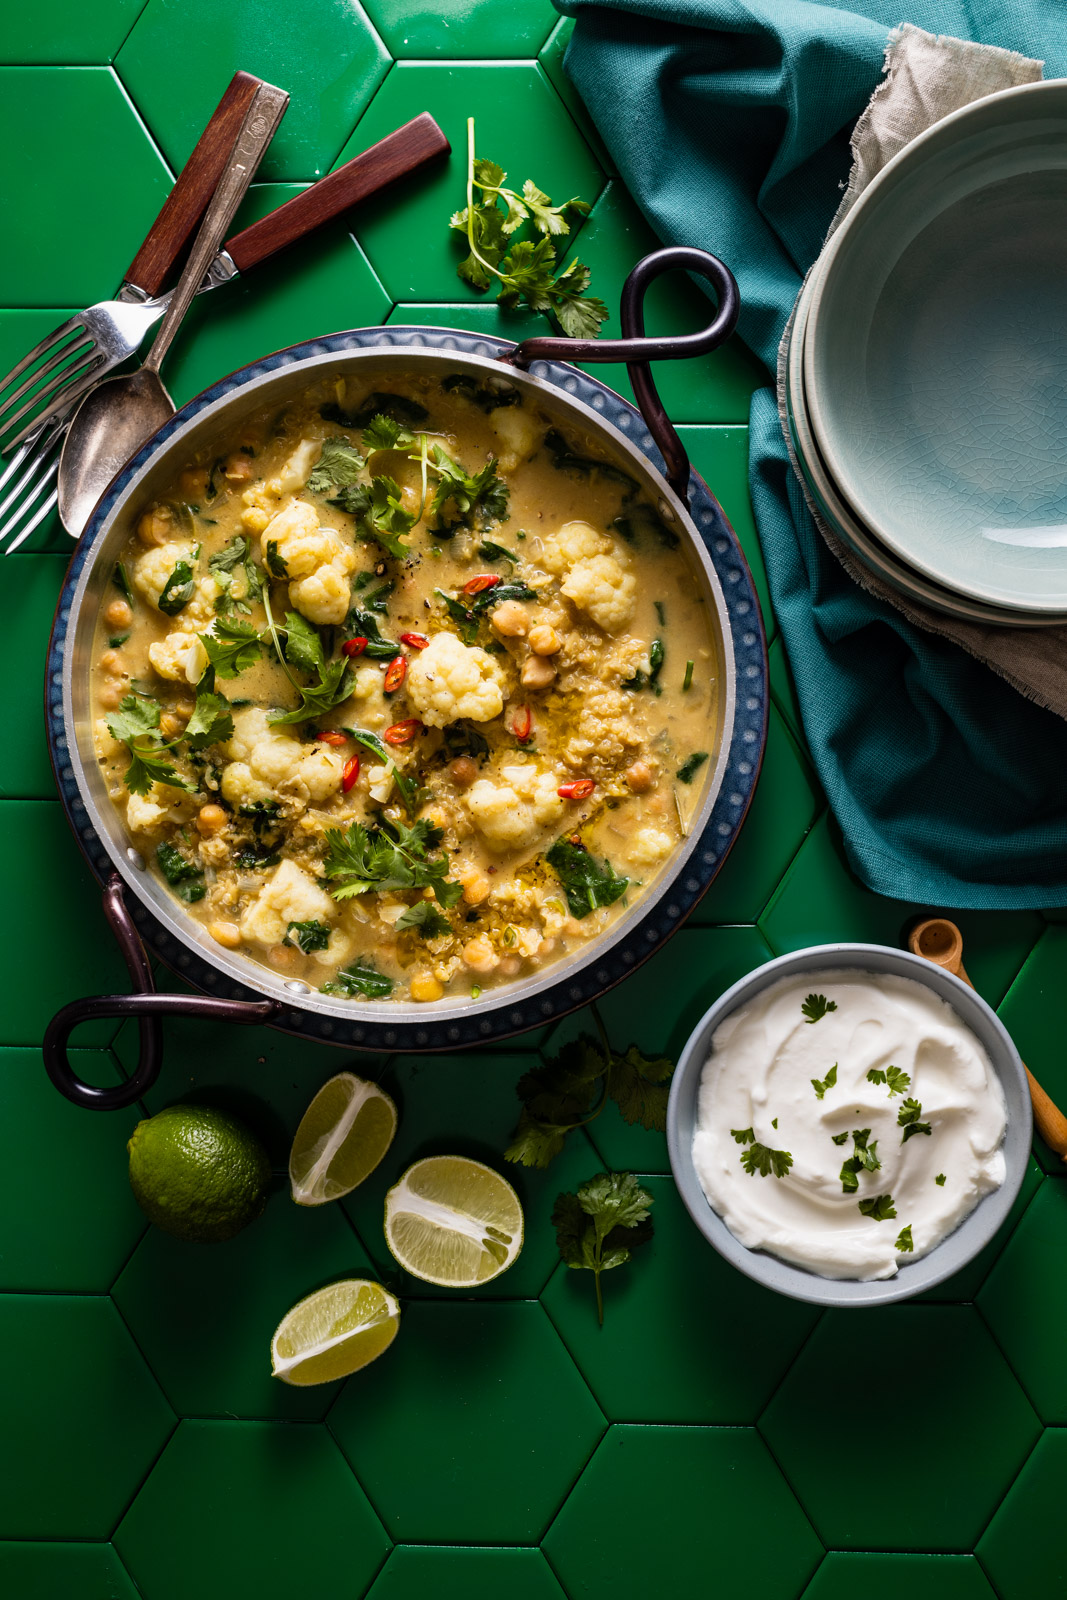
[[479, 955], [545, 948], [193, 483], [544, 640], [510, 619], [210, 819], [118, 614], [510, 966], [255, 519], [111, 694], [184, 709], [228, 934], [111, 663], [283, 957], [537, 673], [426, 987], [463, 771], [238, 468], [169, 725], [156, 526], [639, 777], [476, 887]]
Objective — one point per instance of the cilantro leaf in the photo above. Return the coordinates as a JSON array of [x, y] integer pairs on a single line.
[[222, 566], [464, 497], [940, 1180], [334, 685], [742, 1135], [386, 433], [839, 1138], [640, 1087], [599, 1226], [908, 1119], [585, 884], [895, 1079], [879, 1207], [178, 589], [136, 725], [904, 1240], [183, 875], [275, 565], [388, 857], [211, 721], [359, 978], [762, 1159], [820, 1085], [578, 313], [339, 464], [303, 647], [862, 1159], [232, 646], [425, 916], [307, 936], [378, 508], [816, 1006]]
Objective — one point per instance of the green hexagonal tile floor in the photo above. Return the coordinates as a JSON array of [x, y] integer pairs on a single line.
[[709, 1437]]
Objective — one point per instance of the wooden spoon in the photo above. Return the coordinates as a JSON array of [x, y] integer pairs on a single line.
[[940, 941]]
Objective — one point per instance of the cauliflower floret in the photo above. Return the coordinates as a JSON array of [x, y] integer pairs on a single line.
[[575, 541], [600, 588], [290, 896], [517, 432], [180, 657], [367, 683], [297, 470], [146, 813], [449, 680], [648, 846], [317, 560], [514, 813], [151, 571], [262, 758]]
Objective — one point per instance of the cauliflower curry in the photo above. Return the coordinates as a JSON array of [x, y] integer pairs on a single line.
[[402, 692]]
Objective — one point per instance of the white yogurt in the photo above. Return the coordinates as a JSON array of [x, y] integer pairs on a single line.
[[758, 1082]]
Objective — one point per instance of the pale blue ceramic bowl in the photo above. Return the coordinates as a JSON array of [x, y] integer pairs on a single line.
[[935, 361]]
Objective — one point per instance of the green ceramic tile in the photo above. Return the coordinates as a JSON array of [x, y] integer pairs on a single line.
[[68, 924], [783, 809], [318, 286], [1035, 1014], [1025, 1297], [31, 588], [76, 1229], [60, 1571], [466, 1105], [965, 1284], [720, 455], [250, 1508], [521, 124], [669, 1299], [1023, 1549], [483, 316], [473, 1428], [82, 124], [329, 58], [204, 1315], [412, 1572], [686, 1511], [949, 1425], [843, 1576], [713, 388], [783, 692], [551, 59], [467, 29], [821, 902], [73, 33], [80, 1414]]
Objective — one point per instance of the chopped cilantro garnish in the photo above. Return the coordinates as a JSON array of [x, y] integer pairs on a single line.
[[908, 1119], [820, 1085], [136, 725], [839, 1138], [879, 1207], [862, 1159], [940, 1180], [388, 857], [762, 1159], [742, 1135], [425, 916], [904, 1241], [816, 1007], [893, 1077]]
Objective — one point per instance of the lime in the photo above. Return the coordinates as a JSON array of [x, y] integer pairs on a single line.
[[198, 1173], [453, 1221], [333, 1332], [342, 1136]]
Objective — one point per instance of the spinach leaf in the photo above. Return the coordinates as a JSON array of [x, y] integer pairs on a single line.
[[361, 978], [183, 875], [585, 884], [178, 589], [397, 406], [307, 936]]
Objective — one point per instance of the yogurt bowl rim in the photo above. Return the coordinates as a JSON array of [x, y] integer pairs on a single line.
[[960, 1246]]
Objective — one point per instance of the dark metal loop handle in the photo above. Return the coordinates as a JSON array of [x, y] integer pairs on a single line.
[[637, 351], [145, 1005]]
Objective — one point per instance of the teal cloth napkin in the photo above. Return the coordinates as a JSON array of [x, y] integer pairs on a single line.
[[729, 120]]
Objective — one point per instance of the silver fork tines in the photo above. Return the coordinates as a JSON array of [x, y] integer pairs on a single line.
[[34, 494]]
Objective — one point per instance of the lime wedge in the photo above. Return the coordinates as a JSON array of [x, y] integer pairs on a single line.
[[454, 1222], [342, 1136], [333, 1332]]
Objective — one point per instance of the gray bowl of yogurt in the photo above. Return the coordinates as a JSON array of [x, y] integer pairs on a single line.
[[849, 1125]]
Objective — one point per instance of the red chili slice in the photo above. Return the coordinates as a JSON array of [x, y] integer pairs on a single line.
[[478, 585], [580, 789], [350, 774], [354, 647], [403, 732], [417, 641], [332, 736], [523, 723], [395, 673]]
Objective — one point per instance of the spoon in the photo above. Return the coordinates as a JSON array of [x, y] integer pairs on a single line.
[[940, 941], [118, 416]]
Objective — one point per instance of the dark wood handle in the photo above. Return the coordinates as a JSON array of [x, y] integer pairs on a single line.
[[184, 208], [393, 157]]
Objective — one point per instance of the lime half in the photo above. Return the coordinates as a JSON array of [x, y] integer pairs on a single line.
[[333, 1332], [453, 1222], [342, 1136]]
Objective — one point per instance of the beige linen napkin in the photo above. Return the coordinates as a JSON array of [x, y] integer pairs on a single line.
[[926, 78]]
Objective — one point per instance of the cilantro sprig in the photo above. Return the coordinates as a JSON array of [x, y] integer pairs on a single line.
[[136, 725], [331, 680], [390, 856], [524, 269], [339, 465], [600, 1225]]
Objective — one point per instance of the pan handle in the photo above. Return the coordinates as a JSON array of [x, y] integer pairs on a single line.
[[145, 1005], [637, 351]]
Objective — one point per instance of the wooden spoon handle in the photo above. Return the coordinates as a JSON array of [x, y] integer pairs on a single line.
[[184, 207], [940, 941]]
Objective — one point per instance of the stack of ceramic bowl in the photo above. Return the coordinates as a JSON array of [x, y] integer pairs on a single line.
[[927, 371]]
